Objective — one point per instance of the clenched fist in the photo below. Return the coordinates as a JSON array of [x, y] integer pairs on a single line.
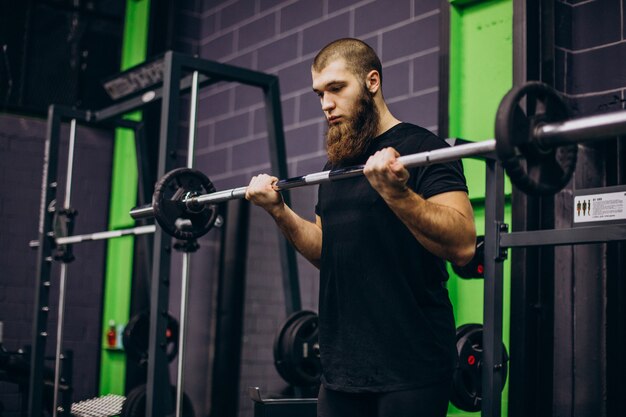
[[262, 193], [386, 174]]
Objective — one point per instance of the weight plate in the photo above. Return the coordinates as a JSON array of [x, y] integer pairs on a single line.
[[535, 168], [476, 267], [296, 349], [135, 404], [467, 379], [280, 343], [305, 351], [173, 214], [136, 337]]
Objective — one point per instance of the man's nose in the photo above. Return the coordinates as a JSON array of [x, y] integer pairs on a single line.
[[327, 103]]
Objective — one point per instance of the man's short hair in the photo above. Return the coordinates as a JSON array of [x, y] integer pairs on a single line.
[[360, 57]]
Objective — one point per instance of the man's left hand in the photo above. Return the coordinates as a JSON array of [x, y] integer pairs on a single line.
[[386, 174]]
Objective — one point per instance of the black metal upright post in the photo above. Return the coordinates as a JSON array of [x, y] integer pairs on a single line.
[[532, 269], [47, 208], [230, 310], [158, 394], [159, 401], [492, 360], [44, 262], [269, 83], [278, 160]]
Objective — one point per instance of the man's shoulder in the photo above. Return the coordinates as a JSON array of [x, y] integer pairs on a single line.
[[411, 128], [412, 138]]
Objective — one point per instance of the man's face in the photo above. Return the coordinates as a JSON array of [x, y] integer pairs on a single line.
[[349, 109]]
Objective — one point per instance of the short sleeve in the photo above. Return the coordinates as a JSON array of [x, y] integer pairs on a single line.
[[438, 178]]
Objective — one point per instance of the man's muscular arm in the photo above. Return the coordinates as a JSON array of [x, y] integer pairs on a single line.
[[443, 224], [304, 235]]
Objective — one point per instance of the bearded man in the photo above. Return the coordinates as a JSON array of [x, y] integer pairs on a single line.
[[387, 333]]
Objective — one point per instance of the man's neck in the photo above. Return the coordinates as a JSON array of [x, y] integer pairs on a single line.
[[387, 121]]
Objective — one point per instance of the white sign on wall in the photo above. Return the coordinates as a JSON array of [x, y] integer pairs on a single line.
[[600, 207]]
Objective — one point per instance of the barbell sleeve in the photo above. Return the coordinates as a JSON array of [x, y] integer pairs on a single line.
[[142, 212], [600, 126], [409, 161]]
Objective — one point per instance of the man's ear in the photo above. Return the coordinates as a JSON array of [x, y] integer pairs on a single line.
[[372, 81]]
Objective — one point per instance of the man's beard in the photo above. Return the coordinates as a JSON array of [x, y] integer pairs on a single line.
[[346, 142]]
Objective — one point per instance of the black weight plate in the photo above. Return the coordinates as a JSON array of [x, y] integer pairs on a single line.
[[135, 400], [170, 211], [295, 349], [135, 404], [475, 268], [135, 337], [303, 352], [467, 379], [287, 358], [280, 343], [535, 168]]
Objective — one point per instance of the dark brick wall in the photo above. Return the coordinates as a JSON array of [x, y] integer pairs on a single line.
[[21, 158], [281, 37], [590, 50]]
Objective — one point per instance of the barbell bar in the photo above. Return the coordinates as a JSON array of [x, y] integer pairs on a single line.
[[536, 144], [108, 234], [409, 161], [185, 207]]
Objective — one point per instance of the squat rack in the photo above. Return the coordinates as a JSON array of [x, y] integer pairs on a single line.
[[174, 81], [498, 239]]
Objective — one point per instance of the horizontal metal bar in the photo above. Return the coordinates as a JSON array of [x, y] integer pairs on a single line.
[[559, 237], [109, 234], [136, 102], [225, 72], [600, 126], [414, 160], [448, 154], [65, 112]]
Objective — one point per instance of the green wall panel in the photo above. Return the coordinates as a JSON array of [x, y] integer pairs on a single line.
[[119, 266], [481, 72]]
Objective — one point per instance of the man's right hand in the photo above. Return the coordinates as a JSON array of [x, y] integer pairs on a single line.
[[304, 235], [261, 192]]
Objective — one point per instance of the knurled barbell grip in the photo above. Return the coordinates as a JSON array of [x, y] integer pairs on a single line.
[[419, 159]]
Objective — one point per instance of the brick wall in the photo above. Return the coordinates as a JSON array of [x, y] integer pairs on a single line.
[[21, 158], [281, 37]]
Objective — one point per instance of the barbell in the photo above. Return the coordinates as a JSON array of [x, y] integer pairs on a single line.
[[537, 147]]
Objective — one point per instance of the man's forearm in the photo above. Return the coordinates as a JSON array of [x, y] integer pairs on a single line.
[[304, 235], [442, 230]]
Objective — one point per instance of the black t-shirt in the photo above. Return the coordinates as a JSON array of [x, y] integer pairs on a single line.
[[386, 321]]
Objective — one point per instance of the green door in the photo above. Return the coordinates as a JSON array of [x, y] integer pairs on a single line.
[[481, 72]]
